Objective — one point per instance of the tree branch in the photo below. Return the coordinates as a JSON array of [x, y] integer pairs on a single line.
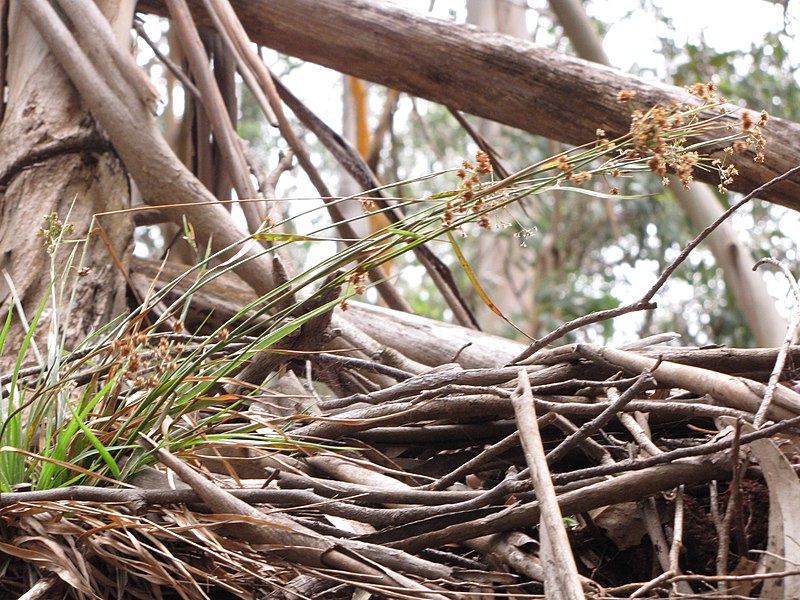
[[497, 77]]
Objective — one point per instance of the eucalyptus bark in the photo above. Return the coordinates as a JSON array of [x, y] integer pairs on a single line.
[[56, 160], [122, 99]]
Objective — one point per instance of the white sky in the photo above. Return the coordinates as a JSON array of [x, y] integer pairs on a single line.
[[725, 24]]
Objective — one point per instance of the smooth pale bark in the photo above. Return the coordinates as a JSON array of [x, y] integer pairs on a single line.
[[54, 159], [700, 203], [490, 75]]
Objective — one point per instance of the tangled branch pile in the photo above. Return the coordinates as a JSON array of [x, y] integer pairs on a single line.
[[282, 450], [420, 485]]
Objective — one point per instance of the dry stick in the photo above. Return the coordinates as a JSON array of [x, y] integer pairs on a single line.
[[677, 541], [236, 36], [658, 540], [735, 578], [140, 499], [270, 182], [674, 555], [4, 4], [499, 547], [367, 365], [644, 303], [700, 450], [626, 487], [637, 431], [385, 122], [482, 143], [289, 539], [739, 467], [716, 518], [86, 18], [238, 43], [687, 410], [732, 511], [561, 573], [179, 74], [622, 589], [737, 392], [44, 589], [670, 565], [774, 378], [590, 448], [757, 362], [259, 79], [268, 185], [214, 106], [643, 382], [578, 501]]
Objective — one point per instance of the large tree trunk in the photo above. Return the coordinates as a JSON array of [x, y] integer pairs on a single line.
[[55, 160], [493, 76]]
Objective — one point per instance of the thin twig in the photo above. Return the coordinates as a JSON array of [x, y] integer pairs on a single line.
[[471, 465], [677, 542], [643, 382], [658, 540], [794, 324], [171, 66], [667, 457]]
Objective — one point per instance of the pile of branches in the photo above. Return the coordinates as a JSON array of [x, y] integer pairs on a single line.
[[251, 463], [639, 472]]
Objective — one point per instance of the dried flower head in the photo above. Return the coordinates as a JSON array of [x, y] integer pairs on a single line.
[[581, 177], [358, 279], [747, 121], [704, 91], [484, 162], [368, 204]]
